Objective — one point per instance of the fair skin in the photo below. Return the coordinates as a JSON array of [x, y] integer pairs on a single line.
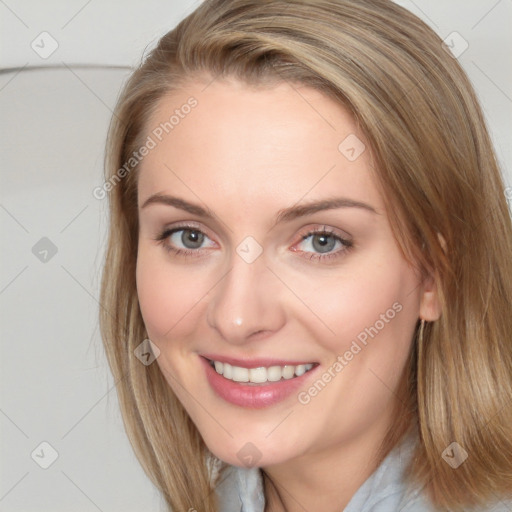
[[247, 153]]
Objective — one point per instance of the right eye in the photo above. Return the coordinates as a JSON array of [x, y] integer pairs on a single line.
[[184, 240]]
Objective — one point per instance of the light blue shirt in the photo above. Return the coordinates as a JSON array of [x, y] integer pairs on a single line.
[[241, 490]]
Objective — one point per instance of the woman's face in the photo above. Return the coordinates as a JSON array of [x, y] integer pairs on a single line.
[[264, 245]]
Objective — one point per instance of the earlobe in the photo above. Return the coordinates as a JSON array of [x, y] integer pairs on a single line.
[[430, 305]]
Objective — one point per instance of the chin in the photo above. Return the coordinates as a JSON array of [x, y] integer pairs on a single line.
[[255, 453]]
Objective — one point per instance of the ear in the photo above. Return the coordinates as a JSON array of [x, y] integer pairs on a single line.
[[430, 306]]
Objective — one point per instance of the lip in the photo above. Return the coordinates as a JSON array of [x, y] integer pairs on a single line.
[[253, 363], [249, 395]]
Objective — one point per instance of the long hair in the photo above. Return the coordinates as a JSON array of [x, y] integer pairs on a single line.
[[437, 171]]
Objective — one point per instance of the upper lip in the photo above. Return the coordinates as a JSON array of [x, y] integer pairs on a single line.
[[254, 362]]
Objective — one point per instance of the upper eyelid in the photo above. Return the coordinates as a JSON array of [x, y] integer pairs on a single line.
[[336, 232]]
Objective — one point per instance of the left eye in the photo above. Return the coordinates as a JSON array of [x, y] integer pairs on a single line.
[[322, 242]]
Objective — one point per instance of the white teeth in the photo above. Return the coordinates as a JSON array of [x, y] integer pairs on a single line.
[[240, 374], [274, 373], [300, 370], [289, 372], [261, 374], [227, 371], [258, 375]]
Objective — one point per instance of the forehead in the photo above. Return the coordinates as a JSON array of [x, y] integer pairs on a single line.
[[226, 139]]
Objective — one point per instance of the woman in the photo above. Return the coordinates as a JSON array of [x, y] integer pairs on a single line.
[[308, 223]]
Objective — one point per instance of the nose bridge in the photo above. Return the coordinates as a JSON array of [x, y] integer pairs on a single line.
[[242, 303]]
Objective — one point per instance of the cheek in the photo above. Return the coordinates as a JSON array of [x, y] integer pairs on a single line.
[[169, 295], [362, 305], [371, 314]]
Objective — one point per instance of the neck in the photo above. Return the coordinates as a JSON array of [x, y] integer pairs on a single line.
[[325, 480]]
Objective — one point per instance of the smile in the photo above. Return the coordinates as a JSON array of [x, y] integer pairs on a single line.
[[261, 374], [256, 383]]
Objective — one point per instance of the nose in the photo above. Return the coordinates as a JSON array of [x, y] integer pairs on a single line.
[[246, 303]]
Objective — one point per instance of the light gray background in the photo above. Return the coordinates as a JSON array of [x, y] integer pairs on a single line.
[[55, 384]]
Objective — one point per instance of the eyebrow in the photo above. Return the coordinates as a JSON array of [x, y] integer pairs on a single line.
[[285, 215]]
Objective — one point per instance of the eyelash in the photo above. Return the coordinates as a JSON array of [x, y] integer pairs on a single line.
[[194, 253]]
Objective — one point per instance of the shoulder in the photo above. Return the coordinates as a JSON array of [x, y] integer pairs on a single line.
[[386, 489], [420, 505]]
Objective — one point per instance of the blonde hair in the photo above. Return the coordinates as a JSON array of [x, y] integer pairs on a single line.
[[445, 199]]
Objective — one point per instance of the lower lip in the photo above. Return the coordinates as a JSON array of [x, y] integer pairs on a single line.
[[253, 396]]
